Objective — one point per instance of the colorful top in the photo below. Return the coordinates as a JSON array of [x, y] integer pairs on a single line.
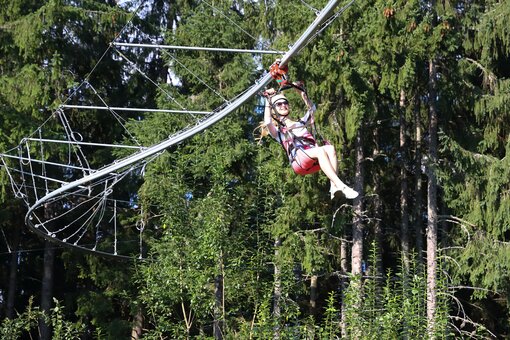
[[297, 136]]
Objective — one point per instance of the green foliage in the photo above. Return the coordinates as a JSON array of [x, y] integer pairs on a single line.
[[28, 90], [46, 47], [492, 38], [356, 73], [62, 329], [214, 205], [478, 192], [396, 307], [331, 324], [27, 322], [265, 323], [106, 296], [492, 112]]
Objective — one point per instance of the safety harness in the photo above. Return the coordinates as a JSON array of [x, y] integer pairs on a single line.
[[288, 140], [291, 143]]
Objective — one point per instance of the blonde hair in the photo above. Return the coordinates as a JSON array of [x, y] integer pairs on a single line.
[[260, 132]]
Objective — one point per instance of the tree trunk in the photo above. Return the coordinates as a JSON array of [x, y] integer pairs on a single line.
[[343, 283], [313, 294], [432, 202], [357, 229], [13, 276], [377, 207], [404, 215], [47, 289], [418, 226], [219, 305], [136, 330], [277, 292], [344, 264], [357, 226]]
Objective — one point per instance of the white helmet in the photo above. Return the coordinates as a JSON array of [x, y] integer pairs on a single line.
[[277, 98]]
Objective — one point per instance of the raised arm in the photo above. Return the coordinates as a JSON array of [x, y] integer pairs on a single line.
[[268, 119], [300, 88], [310, 106]]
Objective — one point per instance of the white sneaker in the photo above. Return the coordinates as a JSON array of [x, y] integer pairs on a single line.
[[333, 191], [349, 193]]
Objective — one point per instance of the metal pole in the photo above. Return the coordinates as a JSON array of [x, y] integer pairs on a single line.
[[134, 109], [45, 162], [84, 143], [45, 178], [195, 48]]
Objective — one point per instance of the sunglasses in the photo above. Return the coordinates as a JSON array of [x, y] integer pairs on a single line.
[[281, 103]]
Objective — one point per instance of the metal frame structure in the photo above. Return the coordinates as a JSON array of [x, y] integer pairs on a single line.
[[145, 153]]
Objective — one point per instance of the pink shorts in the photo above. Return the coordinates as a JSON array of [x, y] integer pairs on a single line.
[[304, 165]]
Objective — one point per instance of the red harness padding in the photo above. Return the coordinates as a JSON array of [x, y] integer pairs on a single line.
[[301, 163], [304, 165]]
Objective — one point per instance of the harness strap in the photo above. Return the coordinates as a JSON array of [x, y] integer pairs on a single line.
[[287, 85], [290, 141], [280, 75]]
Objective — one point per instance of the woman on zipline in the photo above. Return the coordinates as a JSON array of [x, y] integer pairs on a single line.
[[305, 155]]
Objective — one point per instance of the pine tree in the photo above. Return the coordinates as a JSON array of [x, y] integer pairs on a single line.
[[49, 47], [214, 205]]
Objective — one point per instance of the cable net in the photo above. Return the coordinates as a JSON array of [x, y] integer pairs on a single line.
[[77, 202]]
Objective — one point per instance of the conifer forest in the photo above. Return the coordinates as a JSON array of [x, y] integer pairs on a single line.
[[142, 199]]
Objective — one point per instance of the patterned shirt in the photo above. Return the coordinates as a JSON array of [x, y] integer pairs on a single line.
[[297, 136]]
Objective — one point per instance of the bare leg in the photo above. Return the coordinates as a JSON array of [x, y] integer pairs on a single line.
[[327, 164], [331, 152], [326, 156]]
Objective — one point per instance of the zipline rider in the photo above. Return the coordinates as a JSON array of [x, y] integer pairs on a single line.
[[304, 153]]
